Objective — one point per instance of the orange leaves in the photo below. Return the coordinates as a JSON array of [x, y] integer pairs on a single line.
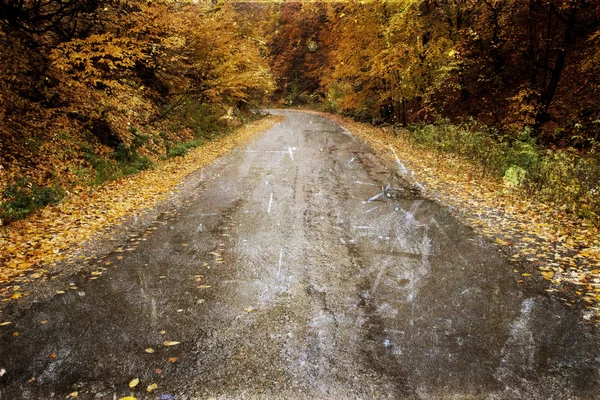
[[48, 237]]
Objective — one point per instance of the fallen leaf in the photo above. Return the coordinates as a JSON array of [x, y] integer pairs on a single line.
[[249, 309], [152, 387], [128, 398], [72, 395], [52, 355], [170, 343], [172, 360], [134, 383], [149, 350], [5, 323], [158, 371], [60, 292], [547, 274]]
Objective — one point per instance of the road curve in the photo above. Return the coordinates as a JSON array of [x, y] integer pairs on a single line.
[[302, 266]]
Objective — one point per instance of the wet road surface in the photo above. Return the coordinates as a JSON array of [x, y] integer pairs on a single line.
[[302, 267]]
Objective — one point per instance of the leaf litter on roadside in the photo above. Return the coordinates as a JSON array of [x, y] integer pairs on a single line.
[[564, 250], [57, 231]]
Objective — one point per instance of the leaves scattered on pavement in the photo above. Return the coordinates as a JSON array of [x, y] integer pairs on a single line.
[[30, 248], [562, 249]]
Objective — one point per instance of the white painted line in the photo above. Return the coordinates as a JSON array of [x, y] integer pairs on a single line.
[[270, 202], [260, 151], [419, 186], [347, 132], [372, 209], [291, 153], [375, 197], [280, 257], [350, 162], [402, 167], [365, 183]]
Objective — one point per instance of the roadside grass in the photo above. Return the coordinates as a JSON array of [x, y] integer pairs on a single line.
[[181, 149], [538, 206], [122, 162], [24, 197], [565, 178]]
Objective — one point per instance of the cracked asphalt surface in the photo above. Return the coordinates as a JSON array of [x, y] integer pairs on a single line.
[[301, 266]]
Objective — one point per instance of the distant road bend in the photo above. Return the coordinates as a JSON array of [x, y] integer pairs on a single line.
[[291, 274]]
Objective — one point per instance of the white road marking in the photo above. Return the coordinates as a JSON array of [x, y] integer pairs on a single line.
[[365, 183], [347, 132], [291, 152], [402, 167], [375, 197], [371, 209], [260, 151], [350, 162], [270, 202]]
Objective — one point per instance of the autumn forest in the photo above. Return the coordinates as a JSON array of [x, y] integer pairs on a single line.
[[94, 90], [299, 199]]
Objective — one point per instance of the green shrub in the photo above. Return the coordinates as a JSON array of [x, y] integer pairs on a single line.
[[564, 177], [122, 162], [22, 198], [202, 118], [181, 149]]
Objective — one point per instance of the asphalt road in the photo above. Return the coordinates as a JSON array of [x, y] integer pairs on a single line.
[[301, 266]]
